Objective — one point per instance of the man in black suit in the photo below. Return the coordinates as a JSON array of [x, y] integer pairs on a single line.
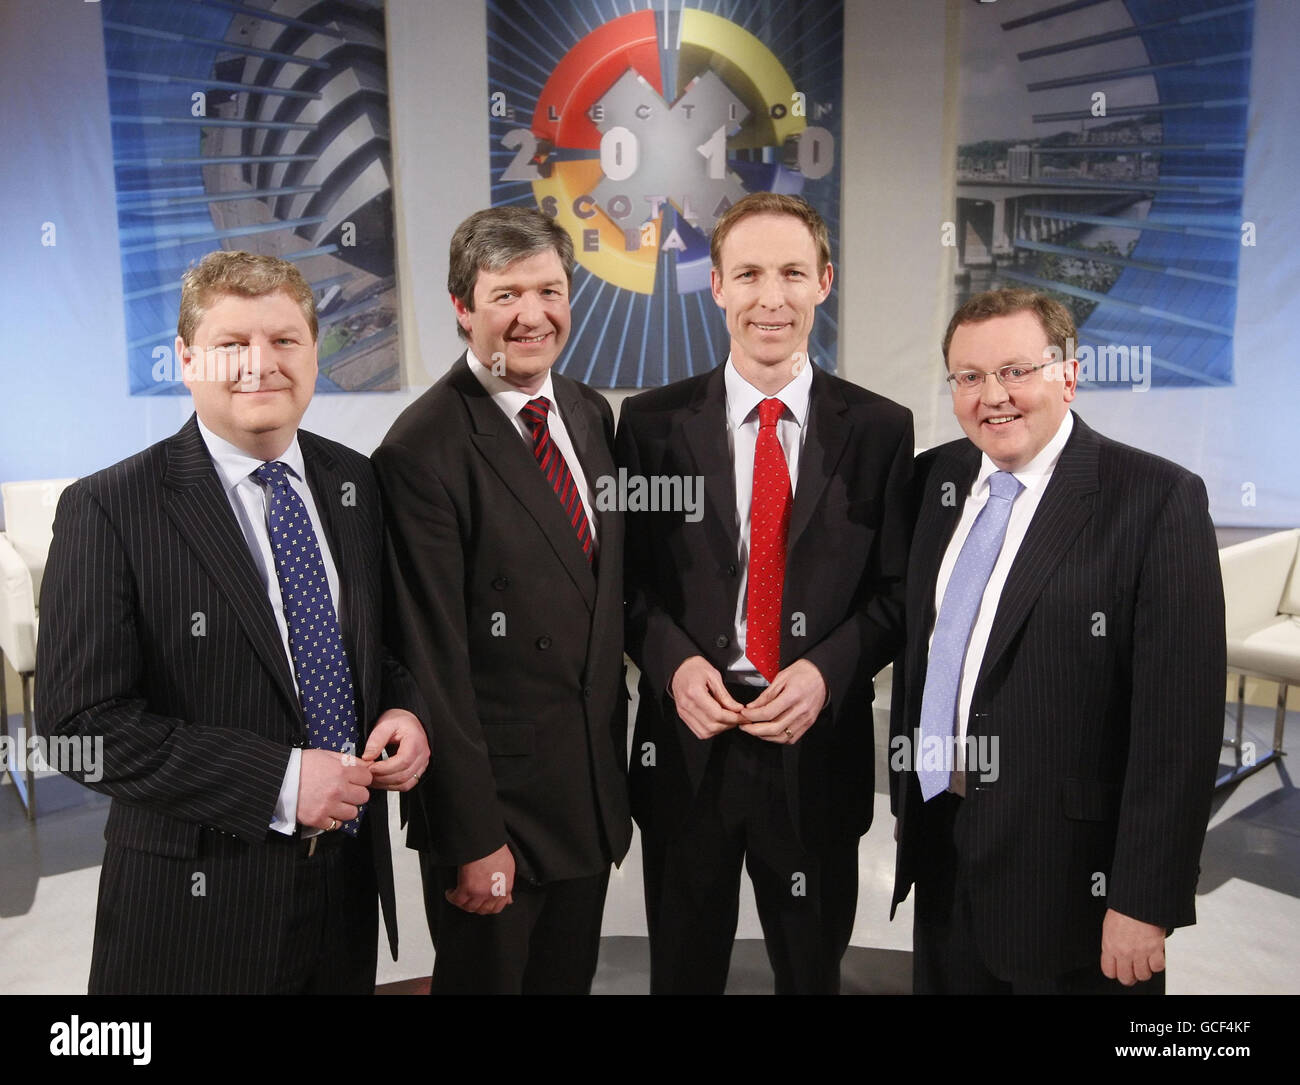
[[210, 619], [759, 622], [506, 585], [1058, 707]]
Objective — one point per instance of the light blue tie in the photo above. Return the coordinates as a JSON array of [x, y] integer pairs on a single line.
[[961, 603]]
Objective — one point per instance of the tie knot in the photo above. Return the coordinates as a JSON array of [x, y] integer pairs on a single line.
[[535, 410], [273, 474], [1005, 485], [769, 411]]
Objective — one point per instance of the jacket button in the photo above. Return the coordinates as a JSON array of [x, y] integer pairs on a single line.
[[731, 569], [722, 640], [586, 692], [543, 642], [501, 583]]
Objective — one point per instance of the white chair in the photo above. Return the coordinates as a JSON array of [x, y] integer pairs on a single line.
[[24, 546], [1261, 587]]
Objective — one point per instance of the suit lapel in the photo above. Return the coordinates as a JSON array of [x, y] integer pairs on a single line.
[[499, 442], [1066, 506], [587, 433], [828, 433], [196, 503], [705, 434], [945, 489]]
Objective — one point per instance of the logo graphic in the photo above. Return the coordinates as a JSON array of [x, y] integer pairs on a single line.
[[644, 130]]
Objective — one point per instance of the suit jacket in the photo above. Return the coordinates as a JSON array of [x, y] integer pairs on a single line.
[[516, 641], [157, 637], [1103, 682], [841, 604]]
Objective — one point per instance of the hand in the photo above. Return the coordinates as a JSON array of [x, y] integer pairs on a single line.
[[331, 788], [402, 770], [484, 887], [1130, 949], [789, 706], [703, 702]]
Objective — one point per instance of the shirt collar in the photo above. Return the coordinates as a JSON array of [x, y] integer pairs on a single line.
[[1034, 475], [234, 464], [504, 394], [743, 398]]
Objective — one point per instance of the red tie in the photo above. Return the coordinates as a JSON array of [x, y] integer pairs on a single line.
[[769, 520], [551, 461]]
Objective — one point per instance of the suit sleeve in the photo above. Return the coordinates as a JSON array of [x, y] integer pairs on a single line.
[[1176, 720], [868, 640], [656, 643], [91, 678], [425, 616]]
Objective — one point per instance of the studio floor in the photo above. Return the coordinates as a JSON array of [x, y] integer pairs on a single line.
[[1246, 940]]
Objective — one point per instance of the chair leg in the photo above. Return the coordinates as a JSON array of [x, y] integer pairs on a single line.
[[1241, 770], [1240, 716], [1280, 722], [23, 780], [29, 727]]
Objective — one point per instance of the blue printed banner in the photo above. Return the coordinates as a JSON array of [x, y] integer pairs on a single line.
[[1100, 157], [260, 128]]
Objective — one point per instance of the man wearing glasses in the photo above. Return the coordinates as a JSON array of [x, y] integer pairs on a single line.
[[1058, 708]]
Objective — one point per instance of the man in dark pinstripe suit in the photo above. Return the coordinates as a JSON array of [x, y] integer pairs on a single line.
[[1054, 739], [165, 636]]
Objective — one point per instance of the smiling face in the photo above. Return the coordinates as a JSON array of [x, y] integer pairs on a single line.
[[769, 287], [520, 318], [1012, 425], [251, 370]]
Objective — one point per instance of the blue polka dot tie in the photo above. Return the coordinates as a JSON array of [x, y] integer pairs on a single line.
[[320, 664]]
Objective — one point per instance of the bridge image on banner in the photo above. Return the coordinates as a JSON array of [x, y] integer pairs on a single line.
[[635, 129], [1121, 191], [260, 128]]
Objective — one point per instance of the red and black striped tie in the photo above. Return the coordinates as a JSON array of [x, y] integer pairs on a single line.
[[551, 461]]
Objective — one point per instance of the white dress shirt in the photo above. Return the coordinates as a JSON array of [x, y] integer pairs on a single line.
[[742, 438], [511, 401], [1034, 476], [249, 500]]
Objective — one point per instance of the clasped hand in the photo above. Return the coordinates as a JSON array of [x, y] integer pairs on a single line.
[[333, 786], [781, 713]]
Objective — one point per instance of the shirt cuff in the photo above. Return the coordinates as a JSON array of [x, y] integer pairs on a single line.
[[285, 819]]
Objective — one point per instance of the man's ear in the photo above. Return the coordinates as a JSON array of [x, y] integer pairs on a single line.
[[1070, 377], [715, 285], [182, 358], [824, 282], [463, 313]]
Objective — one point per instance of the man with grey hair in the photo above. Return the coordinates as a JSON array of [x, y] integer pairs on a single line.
[[507, 596]]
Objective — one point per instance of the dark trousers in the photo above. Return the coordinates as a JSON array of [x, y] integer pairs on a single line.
[[545, 943], [332, 936], [238, 919], [946, 958], [806, 896]]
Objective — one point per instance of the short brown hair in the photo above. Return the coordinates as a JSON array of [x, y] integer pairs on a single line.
[[246, 274], [495, 238], [772, 203], [1057, 321]]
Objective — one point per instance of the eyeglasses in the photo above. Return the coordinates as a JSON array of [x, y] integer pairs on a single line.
[[969, 382]]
